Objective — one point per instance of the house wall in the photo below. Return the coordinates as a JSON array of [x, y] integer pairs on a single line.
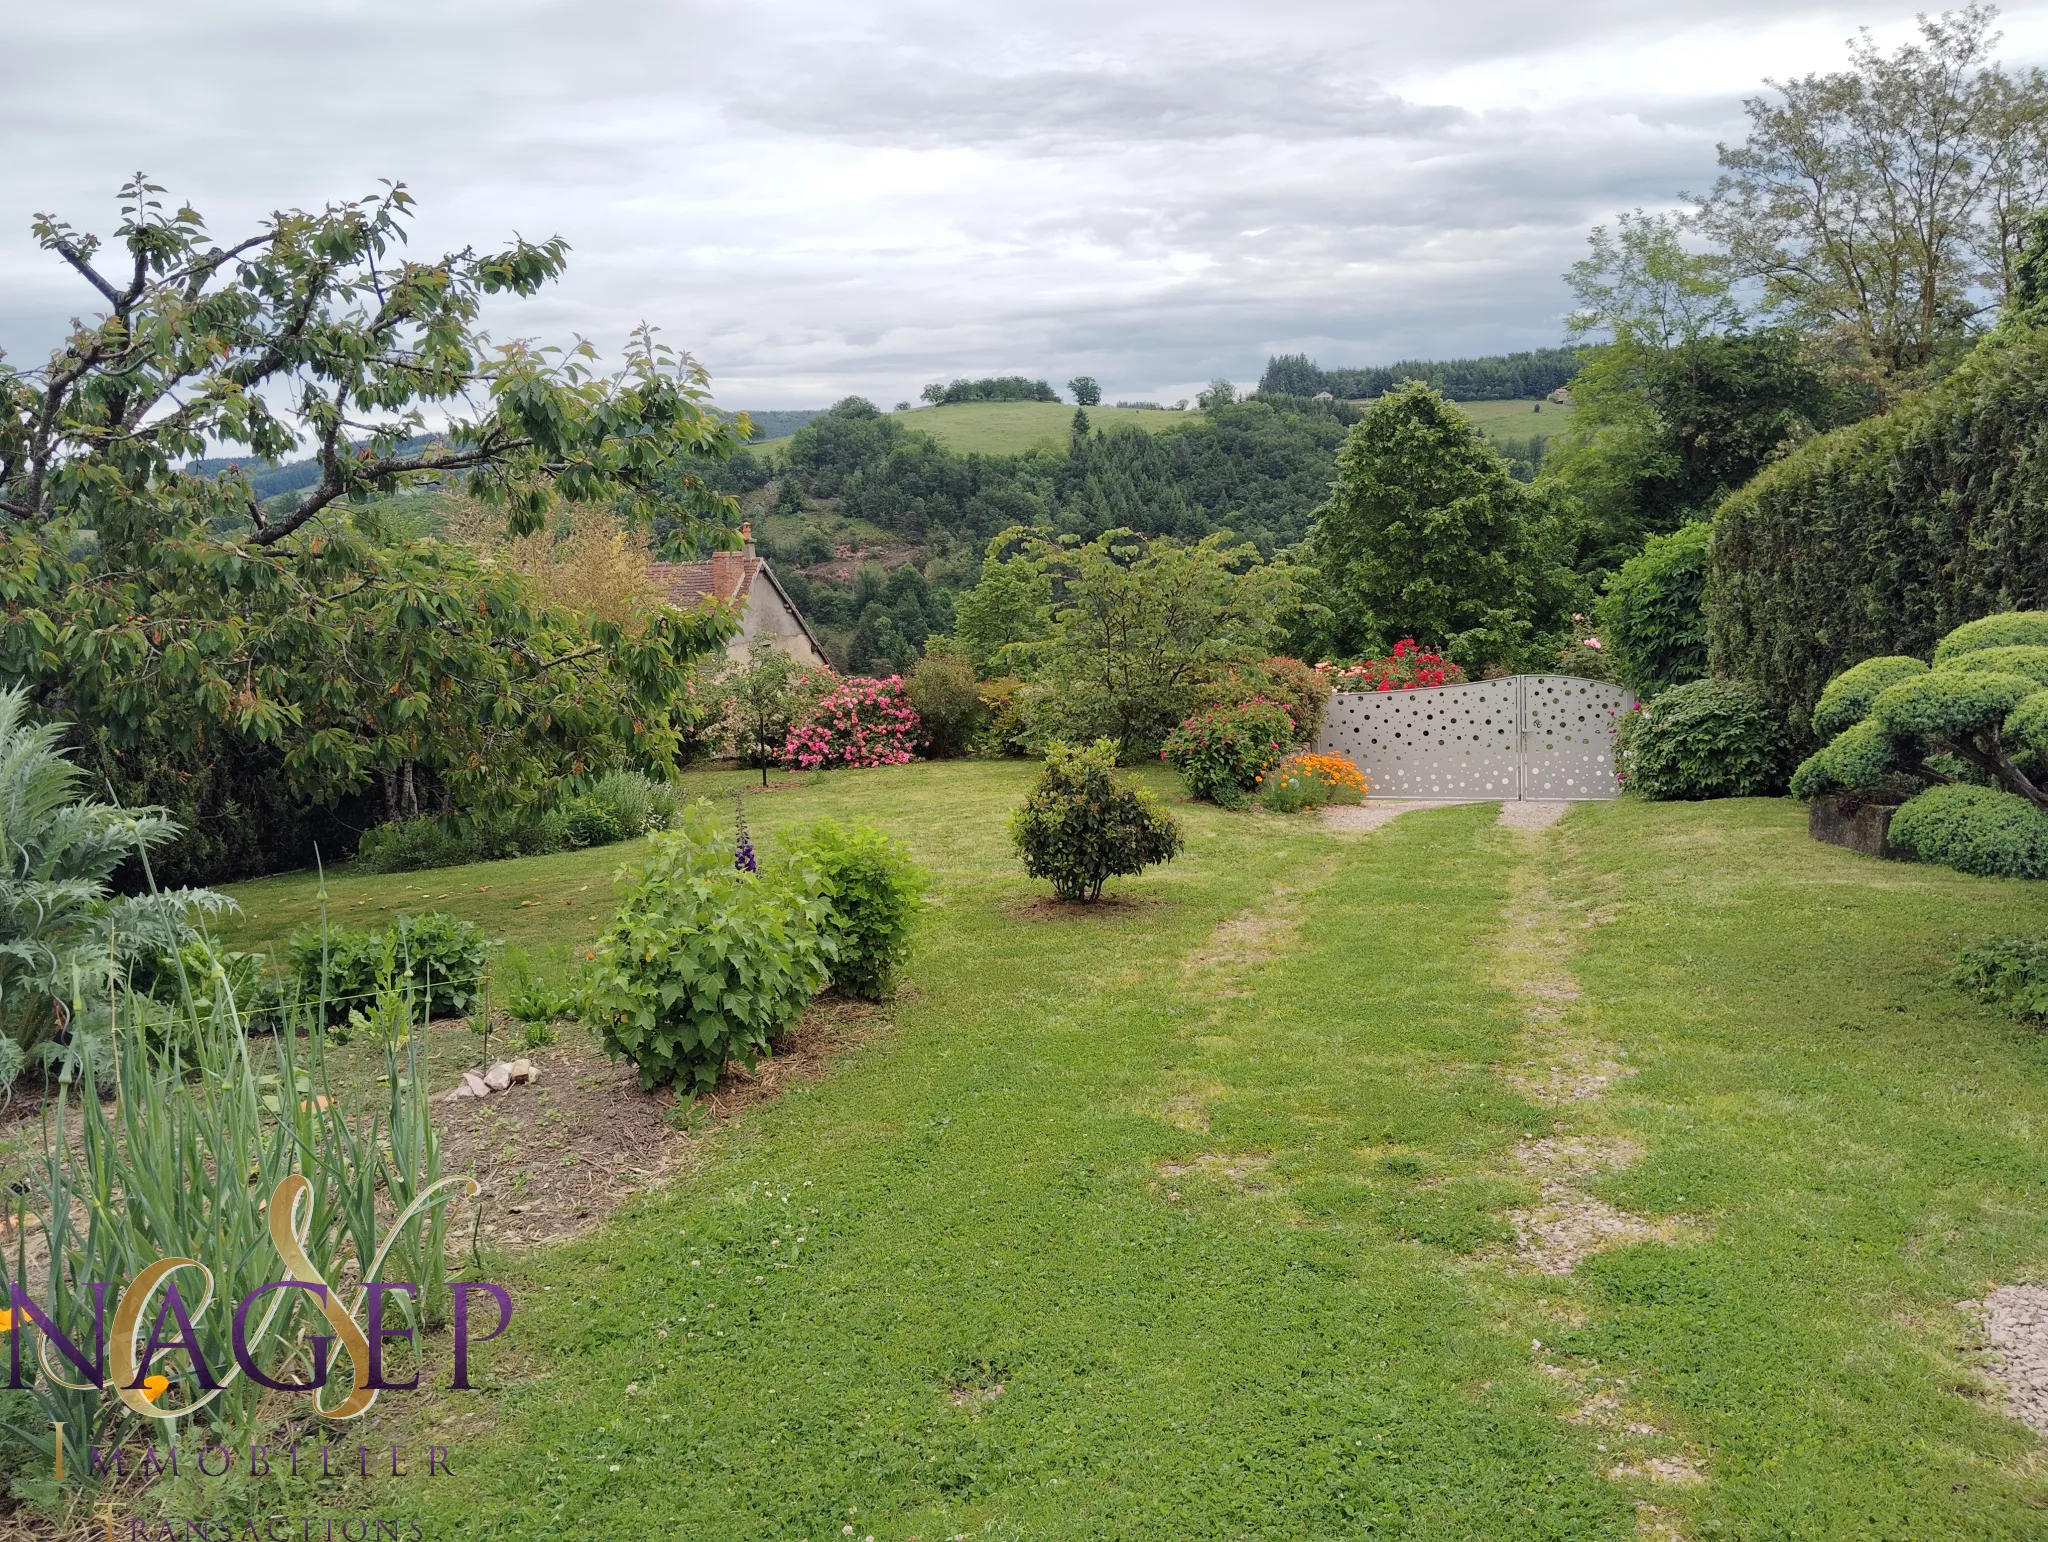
[[766, 615]]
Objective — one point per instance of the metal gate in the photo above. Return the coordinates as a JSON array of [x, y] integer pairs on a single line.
[[1528, 736]]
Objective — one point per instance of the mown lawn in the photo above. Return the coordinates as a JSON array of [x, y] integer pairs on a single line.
[[1217, 1188]]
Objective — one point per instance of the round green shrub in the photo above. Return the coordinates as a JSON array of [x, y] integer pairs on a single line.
[[875, 892], [2009, 629], [1650, 617], [1082, 824], [1982, 830], [1222, 753], [1706, 739], [703, 963], [1859, 758], [1848, 696], [1948, 703], [2029, 661]]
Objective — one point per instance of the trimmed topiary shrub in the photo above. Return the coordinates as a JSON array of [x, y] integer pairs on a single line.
[[1082, 824], [1976, 723], [1651, 620], [1222, 753], [2029, 662], [1705, 739], [1848, 696], [875, 891], [2007, 629], [1982, 830]]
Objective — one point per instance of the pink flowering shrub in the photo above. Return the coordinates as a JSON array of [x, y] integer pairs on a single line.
[[858, 722]]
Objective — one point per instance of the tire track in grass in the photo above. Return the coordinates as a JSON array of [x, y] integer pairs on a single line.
[[1568, 1068]]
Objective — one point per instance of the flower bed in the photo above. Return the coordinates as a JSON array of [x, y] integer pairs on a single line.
[[1306, 780]]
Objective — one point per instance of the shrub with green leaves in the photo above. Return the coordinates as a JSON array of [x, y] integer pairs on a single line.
[[1082, 824], [1222, 753], [1848, 696], [1704, 739], [2007, 629], [947, 700], [1975, 724], [637, 804], [1650, 617], [441, 959], [586, 822], [875, 891], [2011, 972], [1982, 830], [704, 964]]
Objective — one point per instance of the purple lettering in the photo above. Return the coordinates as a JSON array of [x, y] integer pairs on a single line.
[[461, 1290], [239, 1337], [377, 1333]]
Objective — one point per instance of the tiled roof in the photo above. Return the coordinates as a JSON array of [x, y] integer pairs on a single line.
[[727, 576]]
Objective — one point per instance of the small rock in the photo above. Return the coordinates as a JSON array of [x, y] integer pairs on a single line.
[[523, 1071], [478, 1087], [498, 1077]]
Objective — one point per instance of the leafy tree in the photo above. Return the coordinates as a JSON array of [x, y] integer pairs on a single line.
[[1136, 627], [1008, 606], [185, 625], [1425, 533], [1500, 377], [1662, 435], [1086, 392], [763, 699], [1220, 393], [1641, 286], [1886, 204], [1651, 618]]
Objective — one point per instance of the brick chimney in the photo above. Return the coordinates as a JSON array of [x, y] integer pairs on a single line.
[[747, 539]]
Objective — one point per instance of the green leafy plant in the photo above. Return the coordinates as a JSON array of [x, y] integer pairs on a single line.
[[638, 803], [703, 963], [1705, 739], [1976, 723], [1652, 623], [2011, 972], [180, 1143], [57, 905], [947, 701], [441, 957], [1982, 830], [1082, 824], [1222, 753], [586, 822], [875, 891]]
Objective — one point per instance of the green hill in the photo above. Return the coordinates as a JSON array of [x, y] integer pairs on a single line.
[[1519, 421], [1011, 428]]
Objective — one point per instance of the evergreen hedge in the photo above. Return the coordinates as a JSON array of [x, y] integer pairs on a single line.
[[1880, 538]]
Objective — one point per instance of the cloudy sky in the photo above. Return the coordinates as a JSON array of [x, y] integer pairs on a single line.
[[865, 195]]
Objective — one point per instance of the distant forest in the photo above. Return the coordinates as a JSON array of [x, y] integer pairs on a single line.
[[1495, 378]]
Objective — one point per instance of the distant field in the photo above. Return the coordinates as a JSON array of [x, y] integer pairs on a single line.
[[1516, 420], [1011, 428]]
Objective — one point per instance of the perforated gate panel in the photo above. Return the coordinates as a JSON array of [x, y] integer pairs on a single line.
[[1529, 736], [1568, 736], [1450, 741]]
